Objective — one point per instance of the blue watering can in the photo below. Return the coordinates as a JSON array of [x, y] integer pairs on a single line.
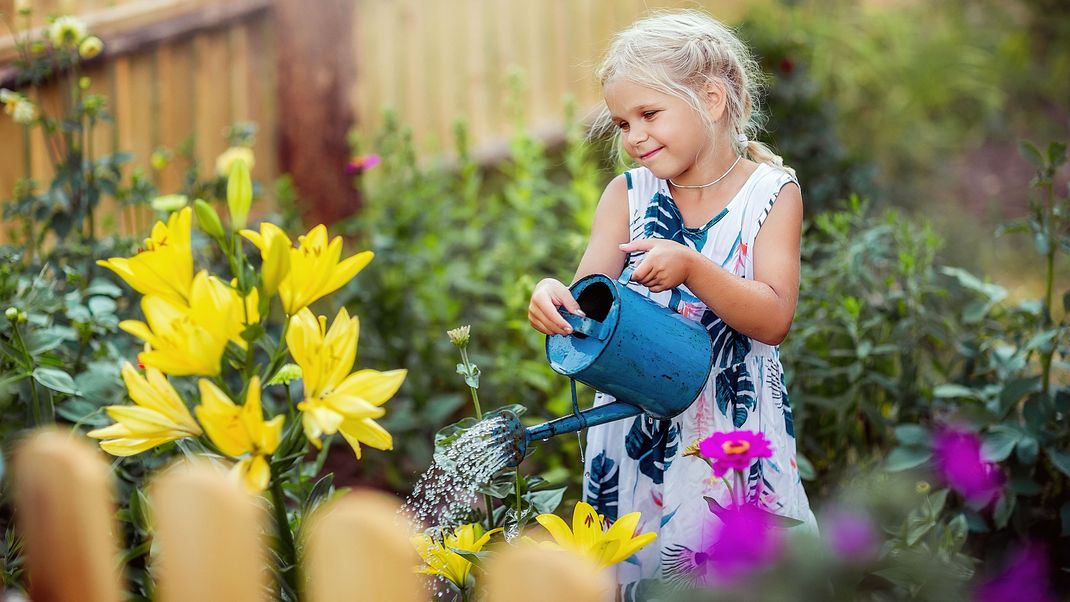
[[651, 359]]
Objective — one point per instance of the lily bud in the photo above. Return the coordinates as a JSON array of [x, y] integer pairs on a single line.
[[276, 264], [208, 219], [239, 193]]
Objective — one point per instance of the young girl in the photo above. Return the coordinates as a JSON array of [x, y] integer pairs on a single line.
[[711, 223]]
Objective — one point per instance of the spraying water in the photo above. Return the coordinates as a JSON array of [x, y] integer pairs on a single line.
[[444, 495]]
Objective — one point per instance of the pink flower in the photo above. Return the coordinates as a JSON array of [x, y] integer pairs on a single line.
[[959, 462], [1025, 578], [747, 540], [734, 450], [362, 163]]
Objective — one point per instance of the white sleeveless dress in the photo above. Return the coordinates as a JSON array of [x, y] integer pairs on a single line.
[[637, 464]]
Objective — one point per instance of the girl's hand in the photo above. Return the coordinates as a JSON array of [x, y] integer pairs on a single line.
[[550, 294], [667, 263]]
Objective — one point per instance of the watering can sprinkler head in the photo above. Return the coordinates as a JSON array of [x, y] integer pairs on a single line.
[[514, 435]]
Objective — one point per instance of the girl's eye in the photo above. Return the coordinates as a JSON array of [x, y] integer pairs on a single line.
[[649, 114], [623, 126]]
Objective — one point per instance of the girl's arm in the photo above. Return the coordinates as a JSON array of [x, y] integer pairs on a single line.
[[762, 308], [603, 256]]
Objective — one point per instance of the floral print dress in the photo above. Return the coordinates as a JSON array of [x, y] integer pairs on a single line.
[[638, 464]]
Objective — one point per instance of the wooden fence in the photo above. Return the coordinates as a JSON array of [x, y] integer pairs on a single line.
[[209, 537], [184, 70]]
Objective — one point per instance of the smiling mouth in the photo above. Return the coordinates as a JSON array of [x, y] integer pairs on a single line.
[[646, 156]]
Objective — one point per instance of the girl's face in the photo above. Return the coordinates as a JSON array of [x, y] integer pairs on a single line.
[[660, 131]]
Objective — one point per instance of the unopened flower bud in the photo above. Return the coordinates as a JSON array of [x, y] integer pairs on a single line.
[[208, 219], [239, 193], [90, 47], [170, 203], [12, 314], [459, 336]]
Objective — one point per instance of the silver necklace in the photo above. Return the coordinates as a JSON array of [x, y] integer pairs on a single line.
[[707, 185]]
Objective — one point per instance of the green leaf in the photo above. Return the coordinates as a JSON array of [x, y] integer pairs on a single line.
[[904, 458], [1015, 390], [953, 391], [912, 434], [917, 525], [806, 468], [1028, 448], [55, 379], [545, 501], [101, 306], [1004, 509], [1056, 154], [320, 492], [1000, 442], [1060, 460], [80, 411], [102, 286], [955, 534], [1031, 153]]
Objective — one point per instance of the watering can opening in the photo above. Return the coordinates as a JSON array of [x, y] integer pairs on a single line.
[[595, 301]]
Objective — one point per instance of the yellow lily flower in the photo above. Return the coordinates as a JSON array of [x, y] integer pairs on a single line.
[[335, 400], [241, 432], [164, 268], [589, 538], [158, 416], [440, 560], [189, 340], [315, 269]]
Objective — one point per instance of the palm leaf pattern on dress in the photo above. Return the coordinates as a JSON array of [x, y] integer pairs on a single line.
[[780, 398], [680, 564], [729, 347], [602, 486], [757, 483], [735, 393], [653, 443], [663, 220]]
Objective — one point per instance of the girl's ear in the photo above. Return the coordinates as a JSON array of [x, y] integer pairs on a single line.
[[716, 99]]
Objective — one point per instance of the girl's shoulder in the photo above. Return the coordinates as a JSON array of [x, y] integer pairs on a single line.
[[641, 180]]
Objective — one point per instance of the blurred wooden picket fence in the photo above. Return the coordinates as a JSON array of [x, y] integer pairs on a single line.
[[184, 70], [209, 540]]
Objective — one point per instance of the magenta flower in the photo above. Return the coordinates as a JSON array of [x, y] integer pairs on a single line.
[[747, 540], [1025, 578], [960, 463], [734, 450], [362, 163]]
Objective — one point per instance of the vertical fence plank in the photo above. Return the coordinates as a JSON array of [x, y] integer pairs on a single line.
[[210, 85], [263, 107], [66, 518], [208, 534], [174, 69], [534, 574], [357, 552]]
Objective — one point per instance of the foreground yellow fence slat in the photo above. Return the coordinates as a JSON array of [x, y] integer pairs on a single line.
[[210, 540], [208, 531], [66, 515]]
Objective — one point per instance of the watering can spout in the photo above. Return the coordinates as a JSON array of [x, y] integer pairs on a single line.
[[520, 437]]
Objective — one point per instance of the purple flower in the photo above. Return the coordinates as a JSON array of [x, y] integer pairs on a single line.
[[734, 450], [362, 163], [1025, 578], [959, 462], [851, 536], [746, 541]]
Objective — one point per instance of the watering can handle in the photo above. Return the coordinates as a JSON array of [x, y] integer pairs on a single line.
[[626, 275], [584, 325]]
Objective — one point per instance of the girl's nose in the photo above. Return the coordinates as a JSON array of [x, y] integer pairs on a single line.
[[636, 136]]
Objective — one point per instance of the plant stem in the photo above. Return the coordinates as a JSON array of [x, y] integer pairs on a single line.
[[287, 551], [475, 394], [43, 413], [1046, 356], [731, 492]]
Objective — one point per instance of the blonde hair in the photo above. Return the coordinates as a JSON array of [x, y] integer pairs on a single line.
[[680, 53]]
